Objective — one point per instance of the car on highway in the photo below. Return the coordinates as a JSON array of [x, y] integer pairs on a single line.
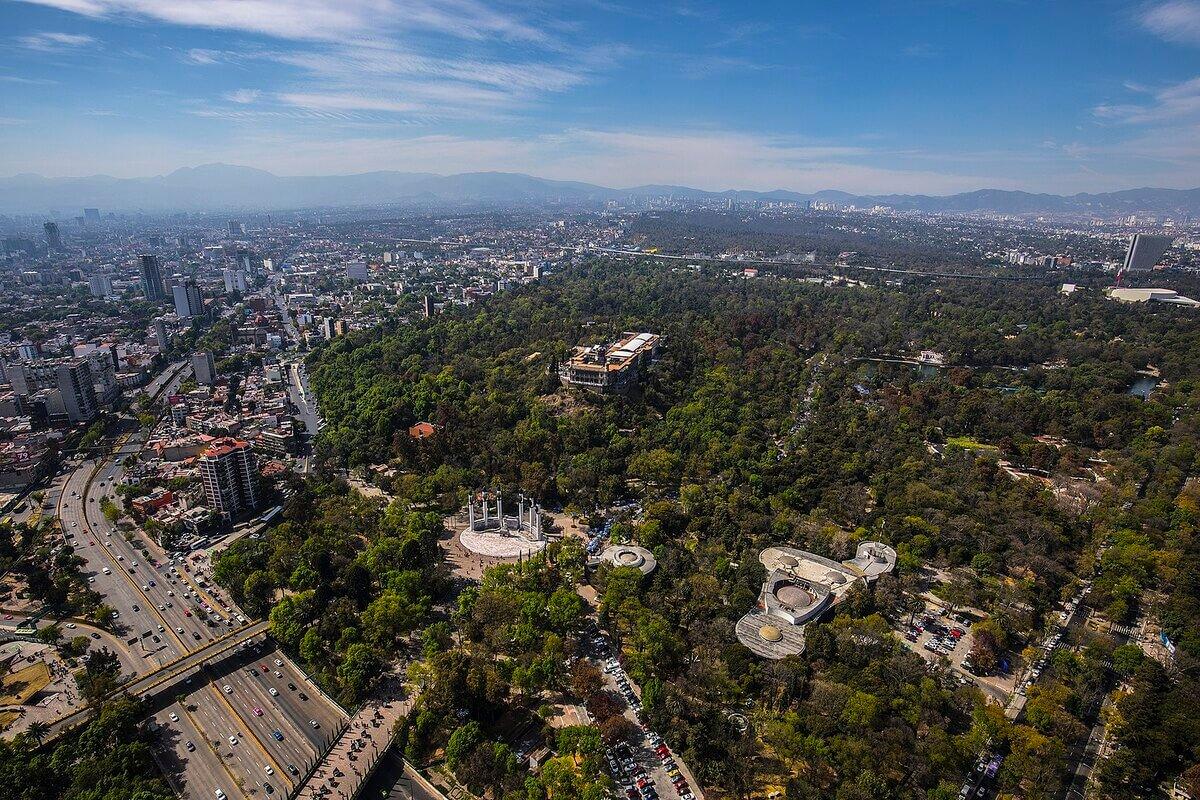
[[274, 692], [258, 711], [277, 735], [314, 723], [269, 770], [179, 629], [233, 740], [190, 747], [227, 689]]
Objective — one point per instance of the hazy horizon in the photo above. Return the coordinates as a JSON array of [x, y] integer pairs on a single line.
[[920, 97]]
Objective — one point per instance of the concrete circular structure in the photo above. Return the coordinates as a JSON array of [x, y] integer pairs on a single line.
[[490, 544], [796, 596], [630, 555], [768, 636], [799, 588]]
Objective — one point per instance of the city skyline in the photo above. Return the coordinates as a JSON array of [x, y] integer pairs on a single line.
[[922, 97]]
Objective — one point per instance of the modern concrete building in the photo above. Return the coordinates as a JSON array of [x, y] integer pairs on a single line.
[[65, 386], [1148, 295], [609, 368], [799, 588], [100, 286], [188, 300], [204, 368], [53, 237], [161, 337], [151, 275], [1145, 251], [235, 280], [229, 470]]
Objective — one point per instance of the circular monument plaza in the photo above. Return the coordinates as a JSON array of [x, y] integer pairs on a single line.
[[491, 533], [799, 588], [630, 555]]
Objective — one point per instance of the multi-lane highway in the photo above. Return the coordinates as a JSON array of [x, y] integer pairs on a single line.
[[162, 612]]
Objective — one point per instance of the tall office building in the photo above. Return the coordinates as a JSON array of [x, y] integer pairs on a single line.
[[229, 470], [53, 239], [427, 306], [236, 228], [91, 215], [74, 380], [204, 368], [161, 337], [1145, 251], [100, 286], [235, 281], [152, 284], [188, 300], [67, 380]]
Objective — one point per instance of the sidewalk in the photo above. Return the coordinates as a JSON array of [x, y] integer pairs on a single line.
[[358, 749]]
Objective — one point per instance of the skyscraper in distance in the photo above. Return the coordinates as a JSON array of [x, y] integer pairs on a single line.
[[188, 300], [53, 238], [152, 285], [1145, 251]]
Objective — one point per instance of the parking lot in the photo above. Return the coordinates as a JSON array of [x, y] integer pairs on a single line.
[[261, 719], [933, 636], [648, 769]]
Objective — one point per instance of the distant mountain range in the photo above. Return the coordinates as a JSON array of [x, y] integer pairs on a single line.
[[222, 187]]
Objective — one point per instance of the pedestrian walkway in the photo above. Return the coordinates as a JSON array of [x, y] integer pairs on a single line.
[[354, 755]]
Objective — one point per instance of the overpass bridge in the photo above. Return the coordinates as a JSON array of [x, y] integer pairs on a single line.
[[164, 677]]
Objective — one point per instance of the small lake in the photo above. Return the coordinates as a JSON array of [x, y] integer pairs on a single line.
[[1143, 386]]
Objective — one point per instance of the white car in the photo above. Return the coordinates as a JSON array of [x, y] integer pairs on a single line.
[[270, 771], [228, 689], [233, 740], [179, 629], [174, 717]]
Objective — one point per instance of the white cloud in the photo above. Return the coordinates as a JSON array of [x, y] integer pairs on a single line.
[[1175, 20], [202, 57], [243, 96], [327, 20], [50, 41], [1172, 103], [344, 102]]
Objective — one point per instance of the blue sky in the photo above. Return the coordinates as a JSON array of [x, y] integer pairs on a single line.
[[929, 96]]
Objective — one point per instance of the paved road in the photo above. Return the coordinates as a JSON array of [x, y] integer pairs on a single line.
[[161, 617]]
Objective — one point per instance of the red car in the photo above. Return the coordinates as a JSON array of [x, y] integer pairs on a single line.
[[257, 711]]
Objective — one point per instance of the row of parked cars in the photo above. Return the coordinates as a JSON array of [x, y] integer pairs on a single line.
[[622, 760]]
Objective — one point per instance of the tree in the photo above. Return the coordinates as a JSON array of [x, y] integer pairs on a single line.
[[98, 678], [619, 729], [586, 680]]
